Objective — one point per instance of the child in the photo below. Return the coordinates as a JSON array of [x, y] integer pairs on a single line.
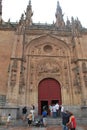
[[29, 117], [8, 120]]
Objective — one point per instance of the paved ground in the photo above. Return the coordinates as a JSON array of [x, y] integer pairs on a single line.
[[20, 125], [40, 128]]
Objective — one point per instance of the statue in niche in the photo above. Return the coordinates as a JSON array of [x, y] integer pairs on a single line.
[[85, 79], [84, 68], [77, 82]]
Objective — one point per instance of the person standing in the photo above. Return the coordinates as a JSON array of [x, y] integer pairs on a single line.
[[72, 122], [24, 112], [29, 117], [65, 119], [33, 112], [62, 109], [57, 109], [54, 111], [44, 116]]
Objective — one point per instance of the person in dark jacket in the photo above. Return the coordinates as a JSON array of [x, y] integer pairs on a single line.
[[65, 120], [24, 112], [44, 117]]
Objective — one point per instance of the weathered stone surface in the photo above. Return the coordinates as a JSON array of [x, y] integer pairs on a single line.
[[30, 54]]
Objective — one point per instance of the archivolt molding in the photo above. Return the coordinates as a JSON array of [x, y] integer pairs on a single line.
[[37, 45], [48, 77]]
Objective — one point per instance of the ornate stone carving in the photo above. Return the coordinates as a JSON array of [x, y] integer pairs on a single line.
[[77, 80], [13, 73], [48, 67], [84, 67], [85, 79]]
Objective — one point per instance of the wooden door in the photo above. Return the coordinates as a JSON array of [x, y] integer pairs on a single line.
[[48, 90]]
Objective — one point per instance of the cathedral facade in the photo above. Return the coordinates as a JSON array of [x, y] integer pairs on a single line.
[[42, 64]]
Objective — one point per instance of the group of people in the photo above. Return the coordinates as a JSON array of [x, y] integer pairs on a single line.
[[32, 114], [68, 120], [55, 110]]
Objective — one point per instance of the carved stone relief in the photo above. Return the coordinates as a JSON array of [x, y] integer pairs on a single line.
[[84, 70], [84, 67], [13, 74], [48, 67], [40, 69], [77, 80]]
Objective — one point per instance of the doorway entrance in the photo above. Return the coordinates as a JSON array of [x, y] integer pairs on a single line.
[[44, 105], [49, 92]]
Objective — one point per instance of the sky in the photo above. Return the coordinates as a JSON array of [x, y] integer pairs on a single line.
[[44, 10]]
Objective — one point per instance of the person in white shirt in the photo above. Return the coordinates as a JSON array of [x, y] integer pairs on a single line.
[[57, 109], [8, 120], [54, 111], [33, 112], [62, 108]]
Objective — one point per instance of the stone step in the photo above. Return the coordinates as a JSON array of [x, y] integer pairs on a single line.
[[52, 121]]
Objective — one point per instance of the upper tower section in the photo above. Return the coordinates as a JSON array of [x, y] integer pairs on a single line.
[[29, 14], [59, 17]]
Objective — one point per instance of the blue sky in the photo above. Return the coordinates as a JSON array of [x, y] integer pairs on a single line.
[[44, 10]]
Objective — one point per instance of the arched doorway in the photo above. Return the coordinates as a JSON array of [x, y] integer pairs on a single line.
[[49, 91]]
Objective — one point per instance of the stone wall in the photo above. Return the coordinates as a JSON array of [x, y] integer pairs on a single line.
[[6, 41]]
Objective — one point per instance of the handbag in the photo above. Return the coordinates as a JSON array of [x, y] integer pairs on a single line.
[[69, 125]]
